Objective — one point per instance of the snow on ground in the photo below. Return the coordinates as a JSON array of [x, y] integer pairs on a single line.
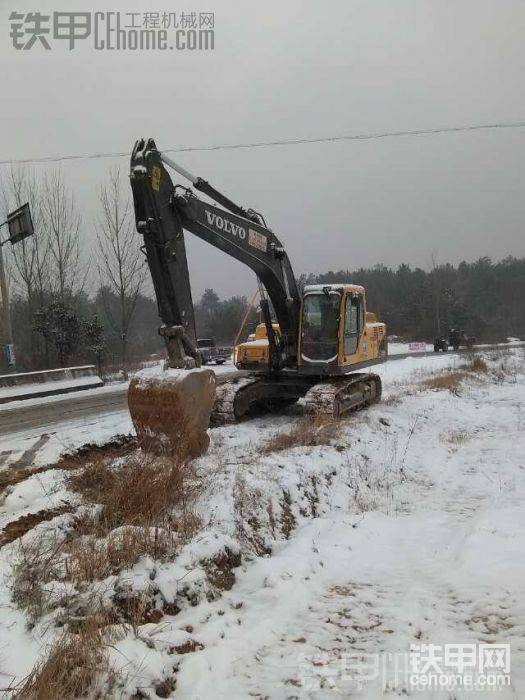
[[67, 430], [44, 446], [408, 529], [39, 492], [438, 559]]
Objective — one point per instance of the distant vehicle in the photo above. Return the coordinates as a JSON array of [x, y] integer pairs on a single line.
[[211, 353], [456, 339]]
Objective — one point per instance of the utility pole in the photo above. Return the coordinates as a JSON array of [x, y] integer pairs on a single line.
[[6, 336], [20, 226]]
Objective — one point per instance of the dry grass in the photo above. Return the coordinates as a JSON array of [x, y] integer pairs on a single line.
[[146, 508], [36, 563], [475, 369], [90, 558], [307, 432], [71, 669], [249, 514], [144, 491], [446, 380], [93, 479], [455, 437], [477, 364], [141, 505]]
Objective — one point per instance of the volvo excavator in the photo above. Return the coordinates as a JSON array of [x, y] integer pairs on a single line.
[[314, 345]]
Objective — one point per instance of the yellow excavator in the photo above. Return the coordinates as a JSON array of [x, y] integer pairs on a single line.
[[315, 346]]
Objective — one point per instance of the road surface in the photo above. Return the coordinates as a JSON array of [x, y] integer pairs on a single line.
[[46, 412]]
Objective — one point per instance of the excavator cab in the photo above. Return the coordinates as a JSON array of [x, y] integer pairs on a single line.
[[336, 330]]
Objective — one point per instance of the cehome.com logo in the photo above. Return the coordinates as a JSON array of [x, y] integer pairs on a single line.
[[114, 31]]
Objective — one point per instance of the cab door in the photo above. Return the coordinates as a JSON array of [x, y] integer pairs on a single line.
[[352, 324]]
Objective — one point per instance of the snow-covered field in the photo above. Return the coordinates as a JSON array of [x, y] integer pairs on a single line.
[[408, 527]]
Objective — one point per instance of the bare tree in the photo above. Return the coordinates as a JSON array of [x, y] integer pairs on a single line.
[[121, 265], [61, 220], [30, 257]]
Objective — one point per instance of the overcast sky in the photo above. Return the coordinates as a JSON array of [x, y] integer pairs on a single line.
[[301, 69]]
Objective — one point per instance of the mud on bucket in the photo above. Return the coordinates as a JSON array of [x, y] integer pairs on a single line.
[[171, 409]]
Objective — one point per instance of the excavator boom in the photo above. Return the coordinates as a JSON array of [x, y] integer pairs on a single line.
[[164, 211]]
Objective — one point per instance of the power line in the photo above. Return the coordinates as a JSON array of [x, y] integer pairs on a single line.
[[283, 142]]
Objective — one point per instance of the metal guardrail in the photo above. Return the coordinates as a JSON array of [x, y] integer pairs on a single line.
[[20, 386], [46, 375]]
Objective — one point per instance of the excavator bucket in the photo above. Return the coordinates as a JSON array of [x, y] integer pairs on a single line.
[[171, 410]]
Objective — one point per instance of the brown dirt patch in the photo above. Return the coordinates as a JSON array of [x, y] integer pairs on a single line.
[[17, 528], [118, 447]]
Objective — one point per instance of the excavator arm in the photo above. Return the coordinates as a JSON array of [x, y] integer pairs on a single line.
[[163, 212]]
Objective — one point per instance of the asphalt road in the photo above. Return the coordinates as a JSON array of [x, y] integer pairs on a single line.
[[46, 413], [42, 414]]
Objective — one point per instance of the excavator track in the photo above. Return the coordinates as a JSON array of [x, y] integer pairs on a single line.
[[338, 397], [236, 397], [224, 412], [239, 397]]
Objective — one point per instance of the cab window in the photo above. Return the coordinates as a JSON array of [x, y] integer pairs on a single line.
[[320, 326]]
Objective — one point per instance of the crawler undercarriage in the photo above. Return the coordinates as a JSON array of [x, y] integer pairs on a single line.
[[335, 396]]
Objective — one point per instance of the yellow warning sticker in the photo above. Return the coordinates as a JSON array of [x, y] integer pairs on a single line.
[[155, 177]]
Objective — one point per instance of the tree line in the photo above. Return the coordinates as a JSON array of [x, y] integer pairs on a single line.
[[55, 320]]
